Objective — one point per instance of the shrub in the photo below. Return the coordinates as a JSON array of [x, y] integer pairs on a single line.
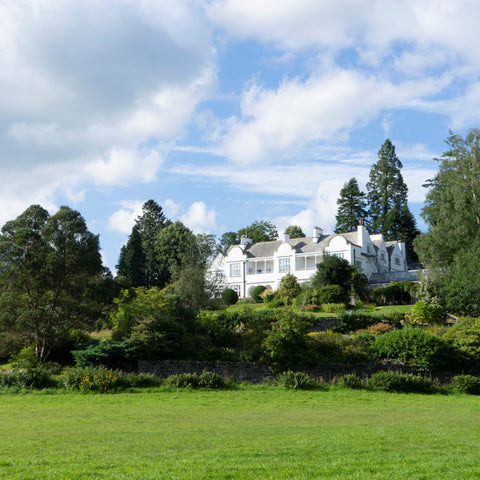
[[229, 296], [210, 380], [191, 380], [289, 288], [331, 294], [29, 378], [401, 383], [310, 308], [423, 312], [379, 328], [256, 292], [109, 353], [182, 380], [333, 307], [413, 346], [466, 384], [91, 379], [350, 380], [294, 380], [465, 338], [141, 380], [276, 303], [267, 295], [351, 321]]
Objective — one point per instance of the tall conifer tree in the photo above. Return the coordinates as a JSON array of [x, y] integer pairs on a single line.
[[351, 207]]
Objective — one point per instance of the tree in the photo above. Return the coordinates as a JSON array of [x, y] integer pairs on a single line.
[[259, 231], [50, 267], [227, 240], [207, 248], [149, 225], [176, 247], [351, 207], [387, 199], [294, 231], [452, 208], [131, 263]]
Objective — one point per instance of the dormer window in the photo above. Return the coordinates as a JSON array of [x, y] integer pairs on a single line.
[[234, 269], [284, 265]]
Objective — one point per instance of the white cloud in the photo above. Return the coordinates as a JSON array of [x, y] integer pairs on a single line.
[[123, 220], [171, 208], [87, 85], [276, 124], [199, 218]]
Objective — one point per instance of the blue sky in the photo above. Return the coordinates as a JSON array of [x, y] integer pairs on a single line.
[[225, 111]]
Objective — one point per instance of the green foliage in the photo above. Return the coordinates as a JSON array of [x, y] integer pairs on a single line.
[[91, 379], [333, 307], [50, 275], [206, 379], [432, 285], [466, 384], [138, 305], [423, 312], [387, 199], [413, 346], [331, 294], [289, 288], [294, 231], [452, 207], [351, 321], [267, 295], [401, 383], [109, 353], [294, 380], [229, 296], [462, 284], [395, 293], [259, 231], [276, 303], [256, 292], [27, 378], [175, 248], [132, 260], [333, 270], [351, 207], [287, 344], [350, 380], [465, 338]]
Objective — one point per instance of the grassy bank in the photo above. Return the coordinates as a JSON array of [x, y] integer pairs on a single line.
[[248, 433]]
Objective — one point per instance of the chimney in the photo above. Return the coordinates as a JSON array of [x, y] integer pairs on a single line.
[[317, 233], [285, 237], [244, 240]]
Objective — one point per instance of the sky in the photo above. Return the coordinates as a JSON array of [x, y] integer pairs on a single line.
[[225, 111]]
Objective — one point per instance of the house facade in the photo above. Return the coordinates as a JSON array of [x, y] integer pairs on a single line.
[[250, 264]]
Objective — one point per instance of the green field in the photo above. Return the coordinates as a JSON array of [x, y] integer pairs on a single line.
[[250, 433]]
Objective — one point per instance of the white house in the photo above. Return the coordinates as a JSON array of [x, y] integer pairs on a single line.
[[250, 264]]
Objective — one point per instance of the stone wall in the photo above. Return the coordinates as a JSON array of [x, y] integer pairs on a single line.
[[254, 373]]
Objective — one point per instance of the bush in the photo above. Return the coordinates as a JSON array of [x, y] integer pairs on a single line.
[[289, 288], [331, 294], [349, 380], [267, 295], [191, 380], [256, 292], [333, 307], [91, 379], [413, 346], [276, 303], [423, 312], [465, 338], [466, 384], [379, 328], [28, 378], [229, 296], [352, 321], [294, 380], [401, 383], [109, 353]]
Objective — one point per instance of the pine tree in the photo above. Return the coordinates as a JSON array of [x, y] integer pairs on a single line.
[[131, 263], [351, 207]]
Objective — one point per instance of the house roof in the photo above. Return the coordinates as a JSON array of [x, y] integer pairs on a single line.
[[300, 245]]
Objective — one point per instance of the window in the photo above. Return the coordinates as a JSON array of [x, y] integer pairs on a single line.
[[382, 257], [358, 263], [236, 288], [338, 254], [284, 265], [234, 269], [397, 261]]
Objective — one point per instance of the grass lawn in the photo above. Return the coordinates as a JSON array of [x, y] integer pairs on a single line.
[[250, 433]]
